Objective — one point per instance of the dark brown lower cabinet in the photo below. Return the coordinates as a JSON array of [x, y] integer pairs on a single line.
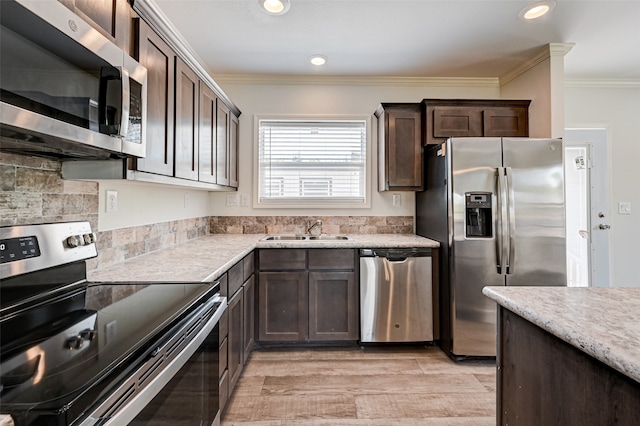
[[332, 296], [307, 295], [542, 380], [282, 309], [236, 342], [224, 371], [248, 293]]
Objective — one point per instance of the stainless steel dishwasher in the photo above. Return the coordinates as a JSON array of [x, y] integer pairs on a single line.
[[396, 295]]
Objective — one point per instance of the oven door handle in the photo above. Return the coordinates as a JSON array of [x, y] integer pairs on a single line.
[[126, 402]]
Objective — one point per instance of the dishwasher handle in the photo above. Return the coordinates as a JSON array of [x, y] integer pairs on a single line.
[[396, 254]]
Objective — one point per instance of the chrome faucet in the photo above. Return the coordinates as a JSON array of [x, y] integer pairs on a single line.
[[310, 226]]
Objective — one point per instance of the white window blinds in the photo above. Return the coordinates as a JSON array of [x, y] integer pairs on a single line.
[[311, 161]]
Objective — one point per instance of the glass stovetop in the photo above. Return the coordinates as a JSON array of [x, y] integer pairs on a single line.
[[126, 321]]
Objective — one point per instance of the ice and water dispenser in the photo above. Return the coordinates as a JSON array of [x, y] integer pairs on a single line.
[[478, 218]]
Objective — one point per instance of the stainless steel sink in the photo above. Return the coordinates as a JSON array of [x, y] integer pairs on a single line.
[[306, 238], [329, 237], [285, 238]]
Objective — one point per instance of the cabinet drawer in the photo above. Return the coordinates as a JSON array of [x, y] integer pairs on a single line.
[[282, 259], [224, 285], [224, 326], [248, 264], [332, 259], [235, 278]]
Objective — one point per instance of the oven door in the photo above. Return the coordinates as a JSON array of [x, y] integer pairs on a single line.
[[176, 384]]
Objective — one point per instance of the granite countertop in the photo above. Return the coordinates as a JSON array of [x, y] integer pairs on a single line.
[[602, 322], [207, 258]]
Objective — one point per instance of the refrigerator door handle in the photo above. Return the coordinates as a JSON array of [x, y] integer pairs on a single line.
[[511, 260], [502, 222]]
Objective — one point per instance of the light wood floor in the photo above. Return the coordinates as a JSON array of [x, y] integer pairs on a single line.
[[353, 386]]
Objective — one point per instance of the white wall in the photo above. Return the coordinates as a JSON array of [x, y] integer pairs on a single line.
[[616, 108], [145, 203], [534, 84], [330, 97]]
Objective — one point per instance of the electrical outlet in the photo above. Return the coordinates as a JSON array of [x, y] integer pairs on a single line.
[[232, 199], [244, 200], [397, 200], [187, 201], [111, 201]]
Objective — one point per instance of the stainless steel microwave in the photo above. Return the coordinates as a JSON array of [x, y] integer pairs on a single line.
[[66, 90]]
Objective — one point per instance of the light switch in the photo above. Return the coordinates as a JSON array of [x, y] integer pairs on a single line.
[[397, 200], [624, 207]]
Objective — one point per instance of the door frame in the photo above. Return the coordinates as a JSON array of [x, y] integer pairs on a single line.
[[599, 192]]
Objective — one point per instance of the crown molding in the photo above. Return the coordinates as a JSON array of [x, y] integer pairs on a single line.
[[276, 79], [546, 52], [157, 20], [602, 83]]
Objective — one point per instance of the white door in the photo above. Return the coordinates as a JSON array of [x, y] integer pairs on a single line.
[[587, 195]]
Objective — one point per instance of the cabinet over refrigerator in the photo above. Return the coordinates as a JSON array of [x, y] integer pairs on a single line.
[[496, 205]]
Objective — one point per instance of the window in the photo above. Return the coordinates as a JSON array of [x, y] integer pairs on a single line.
[[312, 162]]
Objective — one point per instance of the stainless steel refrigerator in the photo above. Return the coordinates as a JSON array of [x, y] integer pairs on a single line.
[[496, 205]]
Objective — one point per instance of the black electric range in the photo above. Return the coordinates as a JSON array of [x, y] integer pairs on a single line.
[[67, 344]]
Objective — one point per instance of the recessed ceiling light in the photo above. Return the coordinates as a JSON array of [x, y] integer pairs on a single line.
[[537, 10], [318, 60], [275, 7]]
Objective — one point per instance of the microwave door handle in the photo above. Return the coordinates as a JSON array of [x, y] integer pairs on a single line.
[[511, 211], [126, 93]]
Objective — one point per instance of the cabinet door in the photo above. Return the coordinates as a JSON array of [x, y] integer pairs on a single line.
[[186, 132], [155, 55], [233, 150], [506, 121], [333, 306], [400, 133], [224, 390], [222, 144], [112, 18], [235, 357], [283, 306], [248, 289], [207, 135]]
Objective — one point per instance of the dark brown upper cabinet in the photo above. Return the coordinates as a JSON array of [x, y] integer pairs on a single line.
[[446, 118], [186, 122], [112, 18], [159, 59], [400, 147]]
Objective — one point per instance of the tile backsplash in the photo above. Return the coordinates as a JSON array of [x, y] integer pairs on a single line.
[[33, 191], [298, 224], [117, 245]]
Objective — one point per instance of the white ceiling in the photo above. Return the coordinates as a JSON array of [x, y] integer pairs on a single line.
[[408, 38]]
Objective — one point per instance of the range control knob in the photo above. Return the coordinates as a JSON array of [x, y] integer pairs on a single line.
[[88, 334], [73, 241], [89, 238], [74, 342]]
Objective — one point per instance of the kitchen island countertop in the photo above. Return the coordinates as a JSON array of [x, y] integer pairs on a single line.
[[601, 322], [208, 257]]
